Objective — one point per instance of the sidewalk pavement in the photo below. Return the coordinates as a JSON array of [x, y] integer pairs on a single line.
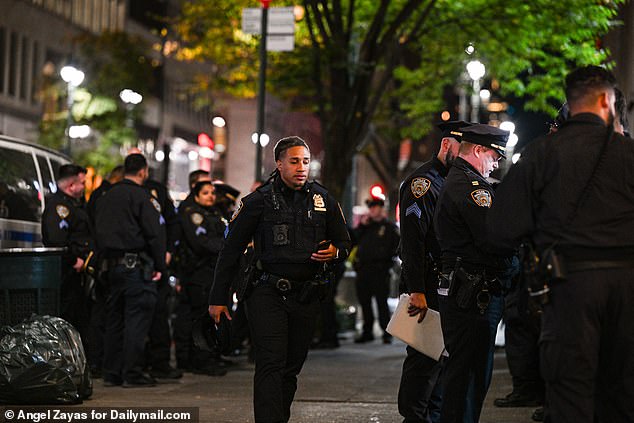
[[354, 383]]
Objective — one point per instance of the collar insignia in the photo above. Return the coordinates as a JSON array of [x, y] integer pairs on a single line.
[[481, 197], [319, 203], [420, 186]]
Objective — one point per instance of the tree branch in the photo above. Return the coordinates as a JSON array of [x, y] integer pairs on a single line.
[[406, 12], [311, 5]]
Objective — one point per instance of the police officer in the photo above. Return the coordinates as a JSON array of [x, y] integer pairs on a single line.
[[377, 242], [65, 223], [419, 391], [226, 197], [297, 227], [572, 194], [470, 269], [159, 337], [203, 229], [131, 233]]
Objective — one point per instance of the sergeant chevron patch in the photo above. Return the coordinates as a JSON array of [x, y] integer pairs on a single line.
[[413, 209]]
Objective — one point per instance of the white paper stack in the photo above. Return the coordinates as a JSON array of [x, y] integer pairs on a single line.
[[425, 337]]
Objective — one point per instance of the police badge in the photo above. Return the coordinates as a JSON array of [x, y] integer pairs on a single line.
[[318, 202], [481, 197], [420, 186]]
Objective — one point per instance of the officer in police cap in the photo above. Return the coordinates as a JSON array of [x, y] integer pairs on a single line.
[[572, 195], [419, 391], [473, 273], [297, 228], [65, 223], [131, 234]]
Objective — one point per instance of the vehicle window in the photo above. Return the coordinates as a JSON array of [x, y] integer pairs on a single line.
[[48, 185], [19, 193], [55, 165]]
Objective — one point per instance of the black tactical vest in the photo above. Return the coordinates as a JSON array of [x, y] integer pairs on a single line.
[[289, 233]]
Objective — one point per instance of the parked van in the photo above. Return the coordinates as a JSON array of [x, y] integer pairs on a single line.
[[27, 177]]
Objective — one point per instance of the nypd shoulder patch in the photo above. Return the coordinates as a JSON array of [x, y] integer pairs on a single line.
[[236, 212], [62, 211], [156, 204], [197, 218], [419, 186], [481, 197]]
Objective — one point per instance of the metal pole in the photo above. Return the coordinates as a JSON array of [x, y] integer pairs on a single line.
[[475, 101], [261, 91], [69, 120]]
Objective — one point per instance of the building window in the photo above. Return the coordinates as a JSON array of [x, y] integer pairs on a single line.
[[3, 59], [13, 63], [24, 70]]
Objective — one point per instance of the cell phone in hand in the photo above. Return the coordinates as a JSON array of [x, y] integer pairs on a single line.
[[323, 245]]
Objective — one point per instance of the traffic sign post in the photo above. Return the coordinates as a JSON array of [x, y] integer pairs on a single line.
[[278, 23]]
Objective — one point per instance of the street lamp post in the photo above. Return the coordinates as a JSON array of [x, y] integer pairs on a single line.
[[73, 78], [261, 89], [476, 70], [131, 99]]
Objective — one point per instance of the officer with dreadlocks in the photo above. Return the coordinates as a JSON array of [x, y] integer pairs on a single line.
[[297, 228]]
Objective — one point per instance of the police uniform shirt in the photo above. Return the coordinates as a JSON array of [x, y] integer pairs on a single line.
[[168, 210], [129, 220], [418, 197], [460, 218], [203, 230], [91, 206], [66, 224], [309, 208], [377, 242], [539, 193]]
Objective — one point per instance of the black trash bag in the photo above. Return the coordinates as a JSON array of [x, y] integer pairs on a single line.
[[42, 361]]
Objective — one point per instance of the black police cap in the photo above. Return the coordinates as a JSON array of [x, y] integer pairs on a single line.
[[211, 337], [226, 190], [451, 129], [371, 202], [486, 135]]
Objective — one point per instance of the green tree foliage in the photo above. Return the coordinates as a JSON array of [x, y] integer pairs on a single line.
[[111, 62], [375, 70]]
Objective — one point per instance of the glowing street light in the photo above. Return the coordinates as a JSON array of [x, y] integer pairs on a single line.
[[476, 71], [79, 131], [73, 78], [130, 98]]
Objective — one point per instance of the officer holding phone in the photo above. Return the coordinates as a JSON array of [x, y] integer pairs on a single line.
[[297, 228]]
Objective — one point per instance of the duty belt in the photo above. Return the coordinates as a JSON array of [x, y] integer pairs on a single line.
[[282, 284], [584, 266], [129, 260]]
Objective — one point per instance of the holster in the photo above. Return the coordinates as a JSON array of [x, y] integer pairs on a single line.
[[308, 292], [249, 279], [540, 273], [147, 265], [468, 285]]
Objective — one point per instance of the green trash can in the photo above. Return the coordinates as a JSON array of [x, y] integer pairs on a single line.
[[30, 280]]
